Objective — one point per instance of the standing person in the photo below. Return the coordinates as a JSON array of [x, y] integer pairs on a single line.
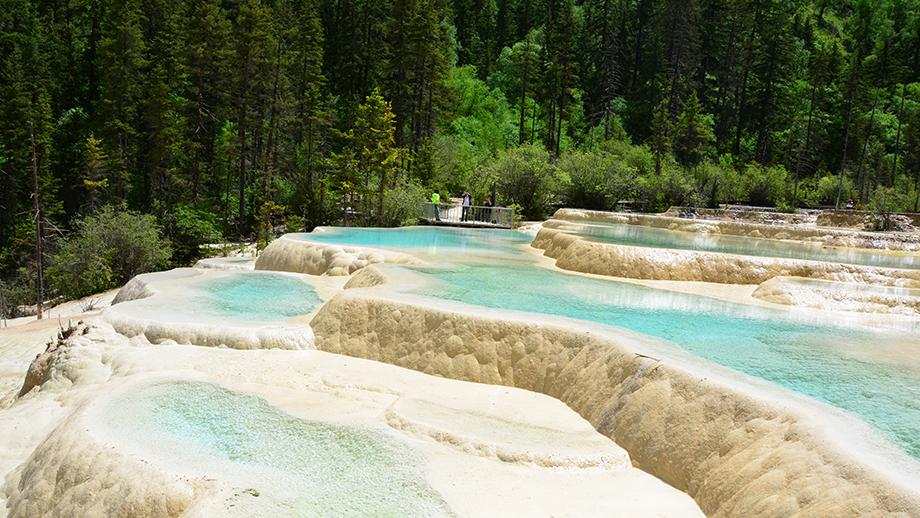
[[467, 202], [488, 211], [436, 201]]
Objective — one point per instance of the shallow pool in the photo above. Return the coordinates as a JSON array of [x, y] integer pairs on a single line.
[[305, 468], [638, 235], [430, 240], [825, 362], [257, 296], [223, 297]]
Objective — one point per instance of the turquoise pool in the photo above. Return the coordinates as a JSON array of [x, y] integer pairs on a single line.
[[430, 240], [833, 364], [309, 467], [256, 296], [638, 235], [816, 360]]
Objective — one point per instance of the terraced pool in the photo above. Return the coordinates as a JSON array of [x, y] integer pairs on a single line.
[[856, 369], [305, 468], [638, 235]]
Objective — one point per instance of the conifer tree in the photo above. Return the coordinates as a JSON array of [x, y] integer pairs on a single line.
[[374, 143], [122, 62], [95, 180], [693, 133], [662, 129], [560, 74], [207, 57]]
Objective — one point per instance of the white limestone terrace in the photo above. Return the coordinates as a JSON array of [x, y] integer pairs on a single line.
[[237, 309], [298, 253], [894, 241], [840, 296], [227, 263], [578, 254], [116, 427], [737, 444]]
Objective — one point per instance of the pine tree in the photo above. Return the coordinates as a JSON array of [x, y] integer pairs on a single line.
[[95, 179], [122, 62], [207, 57], [26, 133], [417, 66], [251, 33], [374, 145], [693, 133], [662, 129], [559, 74], [526, 56], [309, 118]]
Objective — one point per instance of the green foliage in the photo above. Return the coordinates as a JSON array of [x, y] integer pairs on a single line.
[[270, 214], [765, 186], [693, 134], [481, 117], [525, 176], [191, 228], [14, 293], [105, 250], [655, 193], [598, 179], [401, 203], [662, 130], [720, 182], [163, 106], [884, 203]]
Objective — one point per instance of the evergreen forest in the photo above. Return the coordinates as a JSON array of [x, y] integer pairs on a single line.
[[132, 132]]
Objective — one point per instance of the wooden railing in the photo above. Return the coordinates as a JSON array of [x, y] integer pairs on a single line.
[[469, 216]]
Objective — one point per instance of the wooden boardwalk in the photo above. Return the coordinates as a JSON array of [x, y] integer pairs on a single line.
[[466, 217]]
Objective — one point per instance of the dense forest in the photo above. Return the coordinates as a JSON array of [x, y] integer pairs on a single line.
[[206, 120]]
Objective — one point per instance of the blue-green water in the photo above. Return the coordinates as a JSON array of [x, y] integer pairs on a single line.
[[257, 296], [431, 240], [638, 235], [316, 469], [808, 358]]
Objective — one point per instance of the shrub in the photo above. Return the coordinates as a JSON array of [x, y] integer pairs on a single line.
[[401, 203], [765, 186], [884, 203], [106, 250], [674, 186], [14, 293], [525, 176], [598, 180], [192, 228], [719, 182]]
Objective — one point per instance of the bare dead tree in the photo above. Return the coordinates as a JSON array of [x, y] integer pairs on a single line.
[[39, 258]]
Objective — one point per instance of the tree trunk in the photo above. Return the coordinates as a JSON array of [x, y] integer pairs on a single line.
[[524, 78], [803, 147], [39, 257], [897, 139], [860, 177]]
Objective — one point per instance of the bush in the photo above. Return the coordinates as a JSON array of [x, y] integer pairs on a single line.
[[598, 180], [765, 186], [525, 176], [14, 293], [106, 250], [884, 203], [719, 182], [674, 186], [401, 203], [192, 228]]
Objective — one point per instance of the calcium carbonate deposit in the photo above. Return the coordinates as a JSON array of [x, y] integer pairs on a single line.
[[598, 365]]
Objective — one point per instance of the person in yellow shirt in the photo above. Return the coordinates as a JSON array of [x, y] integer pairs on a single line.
[[436, 201]]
